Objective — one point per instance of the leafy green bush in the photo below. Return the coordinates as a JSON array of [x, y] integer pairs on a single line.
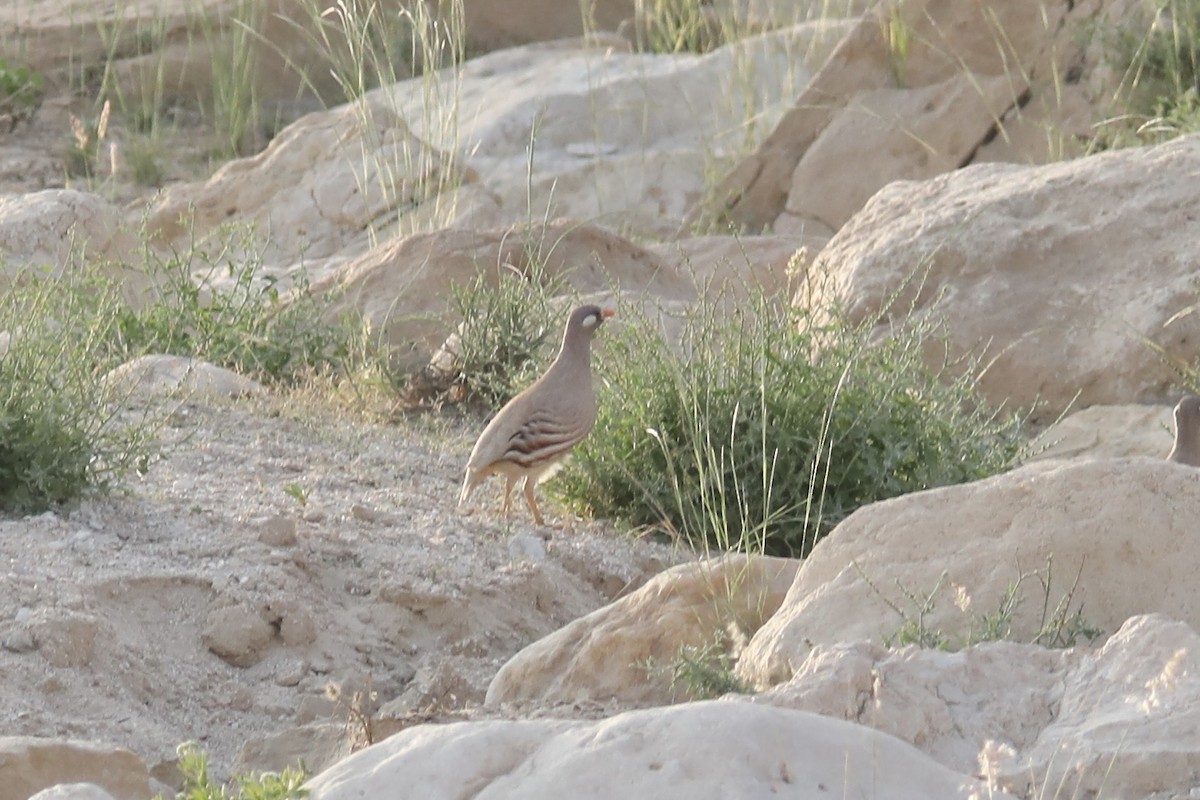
[[770, 428], [197, 785], [60, 431]]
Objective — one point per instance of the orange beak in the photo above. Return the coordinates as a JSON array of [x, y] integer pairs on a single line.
[[606, 313]]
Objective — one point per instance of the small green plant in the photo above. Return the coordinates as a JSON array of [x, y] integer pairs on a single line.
[[297, 493], [20, 94], [898, 33], [701, 671], [1058, 627], [760, 428], [234, 110], [198, 785]]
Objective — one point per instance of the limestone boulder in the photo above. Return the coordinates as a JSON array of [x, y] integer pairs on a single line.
[[1108, 432], [73, 791], [1074, 282], [1033, 721], [698, 750], [179, 375], [319, 185], [56, 231], [604, 655], [585, 130], [237, 634], [29, 765], [1124, 720], [1088, 544], [948, 705], [401, 288], [916, 88], [317, 746], [733, 266]]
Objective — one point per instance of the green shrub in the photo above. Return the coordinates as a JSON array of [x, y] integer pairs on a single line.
[[60, 427], [771, 428]]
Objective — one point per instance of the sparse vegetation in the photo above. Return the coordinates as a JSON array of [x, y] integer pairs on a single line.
[[232, 316], [701, 671], [1059, 626], [764, 427], [503, 338], [681, 26]]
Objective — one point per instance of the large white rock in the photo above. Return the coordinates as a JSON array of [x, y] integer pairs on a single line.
[[160, 374], [59, 231], [1126, 722], [918, 87], [1120, 532], [29, 765], [603, 656], [948, 705], [531, 133], [1108, 432], [1070, 278], [1117, 721], [691, 752], [401, 288]]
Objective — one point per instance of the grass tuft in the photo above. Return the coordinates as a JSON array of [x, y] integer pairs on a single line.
[[1160, 84]]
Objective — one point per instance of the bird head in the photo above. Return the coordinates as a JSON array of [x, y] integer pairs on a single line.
[[588, 319]]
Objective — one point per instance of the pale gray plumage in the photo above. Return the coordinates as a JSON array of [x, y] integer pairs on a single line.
[[531, 435], [1187, 432]]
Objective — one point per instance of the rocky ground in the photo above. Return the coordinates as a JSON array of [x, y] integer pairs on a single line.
[[273, 552]]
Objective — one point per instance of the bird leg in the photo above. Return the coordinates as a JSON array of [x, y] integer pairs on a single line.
[[508, 487], [532, 501]]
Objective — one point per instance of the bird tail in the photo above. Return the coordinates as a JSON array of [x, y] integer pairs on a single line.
[[469, 483]]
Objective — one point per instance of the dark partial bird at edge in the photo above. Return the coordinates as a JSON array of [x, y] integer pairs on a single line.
[[1187, 432]]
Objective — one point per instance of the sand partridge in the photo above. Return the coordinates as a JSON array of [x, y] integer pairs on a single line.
[[1187, 432], [531, 435]]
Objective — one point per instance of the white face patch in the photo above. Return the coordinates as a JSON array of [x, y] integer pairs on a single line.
[[590, 321]]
